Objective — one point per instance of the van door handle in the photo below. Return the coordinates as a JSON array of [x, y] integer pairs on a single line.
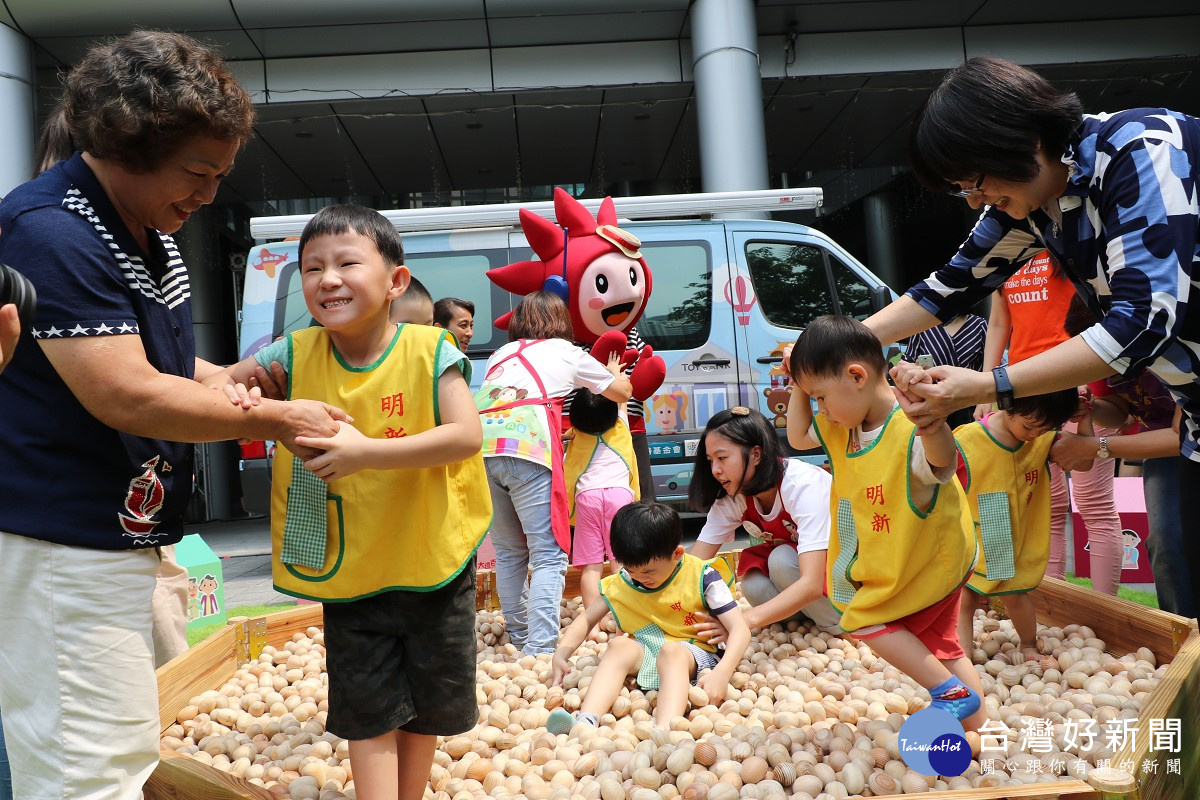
[[770, 360], [711, 362]]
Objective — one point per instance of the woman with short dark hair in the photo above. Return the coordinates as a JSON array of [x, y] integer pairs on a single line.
[[102, 403], [456, 316], [1112, 197]]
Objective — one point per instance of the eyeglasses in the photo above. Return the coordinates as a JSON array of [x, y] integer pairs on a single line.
[[974, 191]]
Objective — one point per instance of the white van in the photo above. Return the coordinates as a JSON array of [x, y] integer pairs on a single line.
[[728, 295]]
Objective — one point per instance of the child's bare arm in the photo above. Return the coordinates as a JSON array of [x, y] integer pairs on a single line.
[[459, 436], [574, 635], [716, 683], [799, 420], [614, 368]]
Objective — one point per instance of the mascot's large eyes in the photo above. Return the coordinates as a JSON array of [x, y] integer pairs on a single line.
[[602, 284], [632, 277]]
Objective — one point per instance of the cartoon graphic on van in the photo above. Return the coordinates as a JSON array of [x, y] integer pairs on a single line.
[[268, 261], [670, 410], [739, 293], [777, 404]]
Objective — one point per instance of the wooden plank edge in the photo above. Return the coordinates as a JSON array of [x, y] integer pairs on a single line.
[[184, 778], [1123, 625], [1162, 702], [195, 670]]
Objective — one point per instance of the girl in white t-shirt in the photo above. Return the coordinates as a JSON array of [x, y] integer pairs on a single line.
[[742, 478], [602, 478]]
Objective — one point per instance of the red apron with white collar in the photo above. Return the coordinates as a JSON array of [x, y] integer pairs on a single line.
[[778, 532]]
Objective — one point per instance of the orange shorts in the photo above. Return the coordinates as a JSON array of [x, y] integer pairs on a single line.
[[936, 627]]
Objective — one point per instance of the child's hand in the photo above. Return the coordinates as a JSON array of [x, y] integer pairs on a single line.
[[715, 684], [239, 395], [786, 363], [343, 454], [1084, 409], [907, 373], [561, 667], [614, 365]]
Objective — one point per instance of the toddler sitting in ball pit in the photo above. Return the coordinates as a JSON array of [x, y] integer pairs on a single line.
[[655, 599]]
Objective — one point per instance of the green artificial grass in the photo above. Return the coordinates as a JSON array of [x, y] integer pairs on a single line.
[[200, 634], [1149, 599]]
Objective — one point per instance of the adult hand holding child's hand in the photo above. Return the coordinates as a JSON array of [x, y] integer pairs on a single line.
[[928, 396], [341, 455], [710, 630]]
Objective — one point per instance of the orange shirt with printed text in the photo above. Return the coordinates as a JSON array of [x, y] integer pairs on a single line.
[[1038, 299]]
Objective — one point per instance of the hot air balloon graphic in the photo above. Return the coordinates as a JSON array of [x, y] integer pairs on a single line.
[[143, 500], [739, 293]]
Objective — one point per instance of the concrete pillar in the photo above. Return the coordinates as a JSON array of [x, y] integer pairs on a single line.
[[881, 239], [729, 107], [18, 109], [198, 246]]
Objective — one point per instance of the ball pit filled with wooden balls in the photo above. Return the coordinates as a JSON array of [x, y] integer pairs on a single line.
[[809, 716]]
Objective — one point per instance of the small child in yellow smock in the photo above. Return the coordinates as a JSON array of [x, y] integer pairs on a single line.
[[1004, 471], [655, 599], [381, 521], [902, 543]]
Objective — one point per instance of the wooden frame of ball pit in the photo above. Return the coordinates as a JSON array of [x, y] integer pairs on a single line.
[[1123, 625]]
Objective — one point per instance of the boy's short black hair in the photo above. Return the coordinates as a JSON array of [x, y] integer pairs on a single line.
[[831, 342], [592, 413], [416, 292], [351, 217], [1052, 409], [747, 431], [643, 532]]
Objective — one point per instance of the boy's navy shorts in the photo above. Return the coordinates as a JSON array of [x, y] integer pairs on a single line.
[[403, 660]]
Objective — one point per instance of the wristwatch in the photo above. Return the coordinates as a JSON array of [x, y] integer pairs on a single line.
[[1103, 451], [1004, 389]]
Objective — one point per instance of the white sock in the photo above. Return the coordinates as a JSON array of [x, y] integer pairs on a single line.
[[590, 719]]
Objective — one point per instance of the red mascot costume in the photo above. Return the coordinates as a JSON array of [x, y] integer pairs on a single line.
[[598, 270]]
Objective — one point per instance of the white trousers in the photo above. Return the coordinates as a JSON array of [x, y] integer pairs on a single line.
[[784, 565], [77, 681]]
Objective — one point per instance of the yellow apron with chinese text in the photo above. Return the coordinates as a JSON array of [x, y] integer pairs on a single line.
[[1009, 495], [412, 529], [886, 558], [664, 614], [582, 449]]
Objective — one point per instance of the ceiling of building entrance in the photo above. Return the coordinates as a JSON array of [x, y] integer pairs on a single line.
[[372, 98]]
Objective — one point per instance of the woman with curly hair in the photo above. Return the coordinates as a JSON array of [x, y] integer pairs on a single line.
[[94, 489]]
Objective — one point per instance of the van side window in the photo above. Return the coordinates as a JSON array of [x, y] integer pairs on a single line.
[[291, 314], [463, 274], [790, 282], [853, 294], [679, 314]]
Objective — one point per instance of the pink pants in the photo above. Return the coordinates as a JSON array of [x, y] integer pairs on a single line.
[[1092, 492]]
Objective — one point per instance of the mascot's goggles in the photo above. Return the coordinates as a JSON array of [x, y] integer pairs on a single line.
[[626, 242]]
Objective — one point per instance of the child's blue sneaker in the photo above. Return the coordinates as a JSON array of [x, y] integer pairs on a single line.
[[560, 721], [954, 696]]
